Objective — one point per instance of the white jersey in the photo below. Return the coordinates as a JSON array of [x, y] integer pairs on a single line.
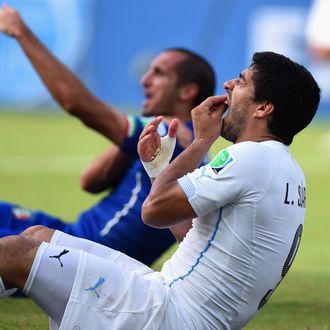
[[250, 201]]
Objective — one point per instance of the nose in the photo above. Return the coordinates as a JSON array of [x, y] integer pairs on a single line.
[[229, 84], [146, 78]]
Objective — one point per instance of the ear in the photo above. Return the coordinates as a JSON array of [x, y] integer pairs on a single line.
[[264, 109], [188, 92]]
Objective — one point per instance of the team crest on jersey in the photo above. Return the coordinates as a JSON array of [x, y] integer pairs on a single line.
[[221, 160], [22, 213]]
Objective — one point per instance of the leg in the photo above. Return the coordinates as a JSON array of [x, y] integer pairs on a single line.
[[51, 275], [16, 258], [46, 273], [38, 233], [56, 237], [51, 279]]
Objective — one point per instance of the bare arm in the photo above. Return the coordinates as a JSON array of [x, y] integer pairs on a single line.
[[167, 204], [180, 230], [65, 87], [105, 171]]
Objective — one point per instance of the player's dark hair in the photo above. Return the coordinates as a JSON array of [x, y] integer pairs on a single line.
[[290, 88], [196, 69]]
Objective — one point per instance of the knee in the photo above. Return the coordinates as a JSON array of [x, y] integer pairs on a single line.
[[16, 257], [16, 246], [38, 233], [32, 232]]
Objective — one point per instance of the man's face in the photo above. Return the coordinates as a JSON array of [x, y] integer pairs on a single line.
[[240, 92], [160, 84]]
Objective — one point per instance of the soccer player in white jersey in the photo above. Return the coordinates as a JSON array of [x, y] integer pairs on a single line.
[[248, 206]]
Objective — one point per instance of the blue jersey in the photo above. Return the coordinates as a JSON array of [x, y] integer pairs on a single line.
[[115, 221]]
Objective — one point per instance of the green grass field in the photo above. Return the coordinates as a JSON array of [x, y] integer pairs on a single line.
[[41, 157]]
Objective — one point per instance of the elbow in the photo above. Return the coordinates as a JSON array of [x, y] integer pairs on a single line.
[[150, 216], [70, 106], [87, 185], [146, 214], [84, 184], [67, 98]]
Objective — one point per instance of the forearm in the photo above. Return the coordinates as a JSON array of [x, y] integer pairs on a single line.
[[65, 87], [69, 91], [167, 204], [180, 230], [186, 162], [105, 171]]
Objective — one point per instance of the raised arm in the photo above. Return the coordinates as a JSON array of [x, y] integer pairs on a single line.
[[167, 204], [65, 87]]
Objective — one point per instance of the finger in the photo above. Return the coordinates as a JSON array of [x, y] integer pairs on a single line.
[[218, 98], [147, 131], [213, 101], [220, 107], [144, 153], [156, 121], [173, 128], [148, 147], [152, 126]]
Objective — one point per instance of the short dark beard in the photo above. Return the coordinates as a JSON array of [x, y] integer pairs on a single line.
[[231, 130]]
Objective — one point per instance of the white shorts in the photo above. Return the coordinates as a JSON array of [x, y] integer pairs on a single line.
[[119, 293]]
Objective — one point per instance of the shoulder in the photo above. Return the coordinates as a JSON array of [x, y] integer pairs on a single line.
[[247, 152], [252, 154], [245, 159], [248, 149]]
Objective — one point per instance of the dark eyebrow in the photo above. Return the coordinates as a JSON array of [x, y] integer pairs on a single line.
[[242, 76]]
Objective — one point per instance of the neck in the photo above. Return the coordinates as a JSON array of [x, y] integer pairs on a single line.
[[260, 138], [183, 112]]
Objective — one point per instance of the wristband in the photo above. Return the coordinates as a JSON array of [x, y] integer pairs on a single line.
[[161, 158]]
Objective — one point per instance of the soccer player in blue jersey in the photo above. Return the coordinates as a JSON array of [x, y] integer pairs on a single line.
[[176, 81]]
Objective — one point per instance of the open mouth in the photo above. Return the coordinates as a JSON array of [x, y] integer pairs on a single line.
[[227, 104], [147, 95]]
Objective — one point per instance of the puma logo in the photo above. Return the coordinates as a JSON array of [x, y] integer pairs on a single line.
[[99, 282], [60, 255]]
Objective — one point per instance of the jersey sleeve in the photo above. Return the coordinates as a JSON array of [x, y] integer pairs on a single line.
[[234, 173]]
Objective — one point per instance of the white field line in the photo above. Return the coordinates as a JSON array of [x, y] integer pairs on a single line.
[[40, 164]]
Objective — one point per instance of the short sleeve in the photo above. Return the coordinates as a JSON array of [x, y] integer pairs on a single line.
[[231, 176]]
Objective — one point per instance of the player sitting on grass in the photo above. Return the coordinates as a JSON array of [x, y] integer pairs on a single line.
[[248, 206], [177, 80]]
